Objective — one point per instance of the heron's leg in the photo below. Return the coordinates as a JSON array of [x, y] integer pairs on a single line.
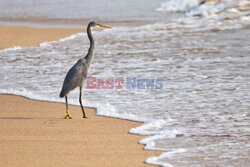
[[80, 100], [67, 108]]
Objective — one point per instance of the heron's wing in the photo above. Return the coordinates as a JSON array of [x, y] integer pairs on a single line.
[[75, 76]]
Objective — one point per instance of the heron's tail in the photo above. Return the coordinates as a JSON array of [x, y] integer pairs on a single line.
[[62, 94]]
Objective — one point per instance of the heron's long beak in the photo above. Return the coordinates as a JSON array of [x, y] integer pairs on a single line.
[[104, 26]]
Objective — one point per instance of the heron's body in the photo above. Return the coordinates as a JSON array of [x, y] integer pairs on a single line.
[[75, 77], [78, 73]]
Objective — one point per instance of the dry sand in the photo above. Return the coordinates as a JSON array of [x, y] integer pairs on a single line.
[[25, 36], [34, 133]]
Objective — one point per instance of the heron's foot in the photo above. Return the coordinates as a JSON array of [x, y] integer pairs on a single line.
[[85, 116], [67, 116]]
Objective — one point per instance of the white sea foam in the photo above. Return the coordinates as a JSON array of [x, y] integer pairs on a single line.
[[11, 48], [45, 44], [149, 128], [164, 156], [68, 38], [208, 9], [193, 7], [71, 37], [150, 141], [108, 110], [154, 129], [178, 5]]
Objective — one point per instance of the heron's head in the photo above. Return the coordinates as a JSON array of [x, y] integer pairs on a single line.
[[94, 24]]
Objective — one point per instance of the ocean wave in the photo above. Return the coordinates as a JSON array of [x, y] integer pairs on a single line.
[[160, 159], [205, 8], [11, 48], [178, 5], [210, 16]]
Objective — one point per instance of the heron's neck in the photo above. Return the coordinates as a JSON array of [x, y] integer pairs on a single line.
[[89, 55]]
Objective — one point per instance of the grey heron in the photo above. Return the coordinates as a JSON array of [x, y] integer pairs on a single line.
[[78, 73]]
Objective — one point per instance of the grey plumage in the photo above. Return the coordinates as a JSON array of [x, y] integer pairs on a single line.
[[75, 77]]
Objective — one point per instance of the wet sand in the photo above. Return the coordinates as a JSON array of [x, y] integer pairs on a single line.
[[34, 133]]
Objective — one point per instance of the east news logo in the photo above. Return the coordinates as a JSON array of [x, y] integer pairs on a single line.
[[118, 83]]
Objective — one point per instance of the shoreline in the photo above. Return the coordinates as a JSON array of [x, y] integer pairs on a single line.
[[66, 23], [34, 132], [12, 36]]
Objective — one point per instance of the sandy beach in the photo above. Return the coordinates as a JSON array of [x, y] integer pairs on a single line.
[[34, 133], [25, 36]]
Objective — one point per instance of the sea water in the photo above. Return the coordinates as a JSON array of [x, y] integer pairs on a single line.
[[196, 57]]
